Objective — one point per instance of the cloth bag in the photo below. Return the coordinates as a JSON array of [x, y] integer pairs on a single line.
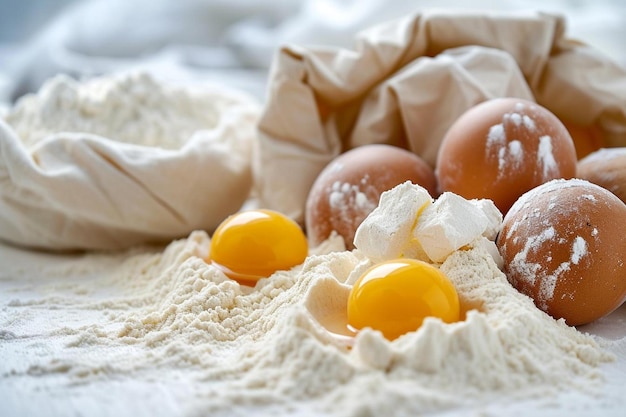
[[406, 81], [76, 190]]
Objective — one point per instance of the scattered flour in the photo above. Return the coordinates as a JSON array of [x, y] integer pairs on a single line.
[[545, 158], [132, 108], [349, 202], [346, 197], [528, 123], [262, 346], [520, 264], [496, 136], [509, 151], [519, 120], [579, 249], [502, 143]]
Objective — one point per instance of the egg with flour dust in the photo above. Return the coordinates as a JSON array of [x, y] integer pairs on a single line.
[[502, 148], [607, 168], [563, 244], [349, 187]]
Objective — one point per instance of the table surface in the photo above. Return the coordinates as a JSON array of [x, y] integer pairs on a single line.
[[35, 378], [36, 381]]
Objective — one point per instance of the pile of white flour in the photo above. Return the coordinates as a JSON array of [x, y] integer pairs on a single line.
[[258, 348], [132, 108]]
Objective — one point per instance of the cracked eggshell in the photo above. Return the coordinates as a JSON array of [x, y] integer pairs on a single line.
[[502, 148], [563, 244], [348, 189]]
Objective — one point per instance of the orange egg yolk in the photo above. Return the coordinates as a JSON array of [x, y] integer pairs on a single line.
[[396, 296], [254, 244]]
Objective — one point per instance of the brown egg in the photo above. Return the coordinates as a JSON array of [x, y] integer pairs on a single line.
[[607, 168], [348, 189], [564, 244], [587, 139], [502, 148]]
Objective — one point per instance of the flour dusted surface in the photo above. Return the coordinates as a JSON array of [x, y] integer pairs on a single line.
[[264, 347]]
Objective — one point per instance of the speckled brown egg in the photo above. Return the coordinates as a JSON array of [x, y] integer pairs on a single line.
[[349, 188], [564, 244], [607, 168], [502, 148]]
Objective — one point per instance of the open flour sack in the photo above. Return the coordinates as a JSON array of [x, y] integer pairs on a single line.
[[406, 81], [121, 160]]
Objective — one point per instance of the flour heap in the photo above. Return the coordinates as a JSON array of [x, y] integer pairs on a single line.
[[133, 108], [270, 345]]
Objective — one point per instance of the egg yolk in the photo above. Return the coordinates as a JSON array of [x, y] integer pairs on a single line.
[[396, 296], [254, 244]]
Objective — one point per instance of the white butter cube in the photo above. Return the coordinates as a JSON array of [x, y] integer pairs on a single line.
[[450, 223], [493, 214], [387, 232]]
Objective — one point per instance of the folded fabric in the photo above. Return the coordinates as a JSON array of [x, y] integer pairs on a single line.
[[408, 80], [81, 190]]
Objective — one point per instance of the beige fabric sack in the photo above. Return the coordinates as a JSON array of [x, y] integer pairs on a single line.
[[407, 81], [77, 190]]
